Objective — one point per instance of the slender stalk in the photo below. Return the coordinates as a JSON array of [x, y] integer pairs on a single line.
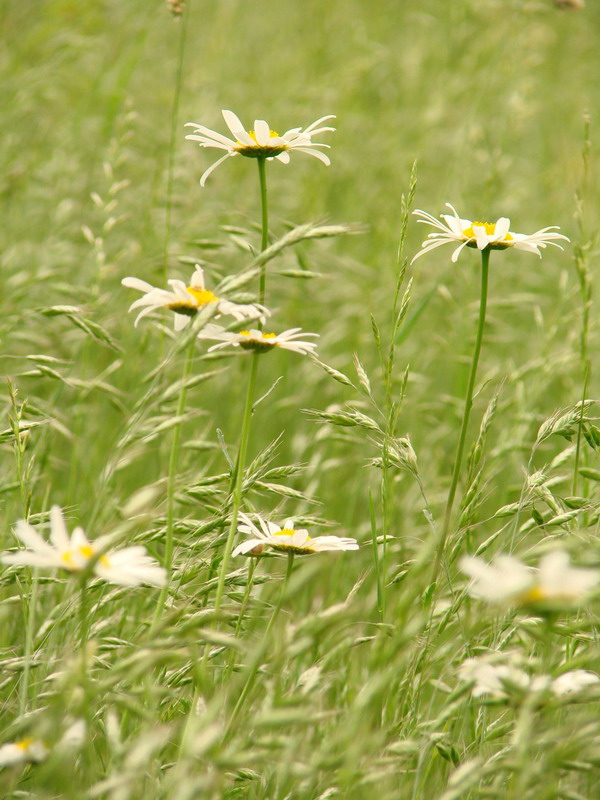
[[586, 379], [262, 178], [245, 433], [241, 613], [239, 479], [255, 663], [30, 625], [168, 558], [173, 136], [485, 260], [246, 597], [84, 628]]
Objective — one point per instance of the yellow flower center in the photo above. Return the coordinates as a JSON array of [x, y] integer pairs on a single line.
[[202, 296], [25, 744], [287, 547], [262, 336], [261, 343], [252, 135], [257, 150], [489, 227], [87, 551], [534, 595]]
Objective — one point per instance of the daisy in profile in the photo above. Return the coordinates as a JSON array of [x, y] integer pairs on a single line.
[[499, 680], [268, 535], [260, 142], [495, 235], [574, 682], [128, 567], [492, 679], [508, 580], [187, 301], [25, 751], [292, 339]]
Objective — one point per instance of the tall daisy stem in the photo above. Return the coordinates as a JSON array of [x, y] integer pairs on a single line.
[[173, 457], [29, 643], [256, 660], [485, 260], [245, 433], [84, 632], [173, 134], [262, 178]]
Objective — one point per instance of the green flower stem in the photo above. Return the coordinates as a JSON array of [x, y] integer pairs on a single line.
[[173, 135], [256, 661], [262, 177], [245, 433], [168, 558], [30, 625], [84, 629], [485, 260], [241, 613], [246, 597], [239, 478]]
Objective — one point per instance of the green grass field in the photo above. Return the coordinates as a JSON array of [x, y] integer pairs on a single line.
[[323, 675]]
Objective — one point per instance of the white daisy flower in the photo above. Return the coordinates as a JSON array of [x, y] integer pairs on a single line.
[[262, 142], [574, 681], [508, 580], [493, 679], [291, 339], [495, 235], [186, 301], [26, 751], [286, 539], [128, 567]]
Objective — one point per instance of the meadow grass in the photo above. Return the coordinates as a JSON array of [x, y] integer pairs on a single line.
[[332, 675]]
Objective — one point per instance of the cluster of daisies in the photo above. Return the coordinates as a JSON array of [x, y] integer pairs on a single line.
[[187, 300], [132, 566], [554, 584]]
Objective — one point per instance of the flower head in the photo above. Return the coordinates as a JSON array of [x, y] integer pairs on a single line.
[[128, 567], [261, 142], [187, 301], [575, 681], [495, 235], [508, 580], [499, 680], [259, 341], [286, 540], [25, 751], [493, 679]]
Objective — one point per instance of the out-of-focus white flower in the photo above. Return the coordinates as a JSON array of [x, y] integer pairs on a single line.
[[261, 142], [499, 680], [268, 535], [128, 567], [256, 340], [495, 235], [504, 580], [574, 681], [74, 736], [508, 580], [494, 679], [187, 301], [26, 751]]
